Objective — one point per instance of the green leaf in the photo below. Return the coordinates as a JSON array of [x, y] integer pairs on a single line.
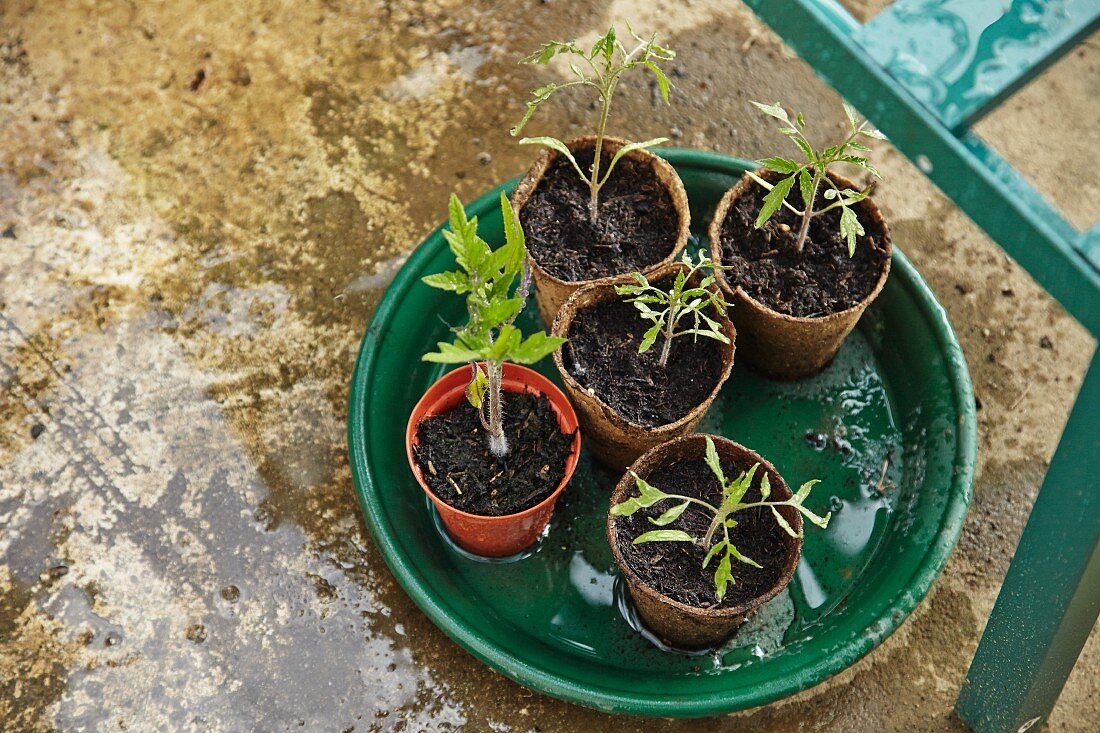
[[743, 558], [663, 535], [513, 232], [670, 515], [500, 311], [648, 495], [535, 348], [478, 386], [554, 144], [806, 187], [822, 522], [784, 523], [506, 345], [765, 487], [714, 550], [805, 148], [873, 133], [662, 80], [714, 462], [451, 354], [456, 282], [804, 490], [626, 149], [773, 200], [738, 488], [853, 116], [549, 51], [850, 228], [780, 165], [723, 575], [773, 110], [651, 336]]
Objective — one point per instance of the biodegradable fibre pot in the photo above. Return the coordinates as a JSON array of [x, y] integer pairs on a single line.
[[782, 346], [674, 622], [613, 439], [512, 533], [550, 291]]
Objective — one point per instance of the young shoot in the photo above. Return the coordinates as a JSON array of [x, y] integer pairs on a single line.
[[598, 68], [486, 278], [666, 309], [812, 174], [733, 491]]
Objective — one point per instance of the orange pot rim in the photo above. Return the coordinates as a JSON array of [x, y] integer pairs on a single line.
[[529, 378]]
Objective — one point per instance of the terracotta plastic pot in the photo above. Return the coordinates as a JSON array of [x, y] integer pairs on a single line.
[[511, 533], [782, 346], [612, 438], [677, 623], [551, 291]]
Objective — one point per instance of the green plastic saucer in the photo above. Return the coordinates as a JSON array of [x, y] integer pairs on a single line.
[[557, 618]]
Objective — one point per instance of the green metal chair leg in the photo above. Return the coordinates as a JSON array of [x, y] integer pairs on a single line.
[[1051, 596]]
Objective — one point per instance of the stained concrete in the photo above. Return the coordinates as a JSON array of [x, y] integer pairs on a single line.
[[201, 204]]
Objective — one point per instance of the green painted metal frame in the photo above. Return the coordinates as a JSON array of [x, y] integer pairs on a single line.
[[1051, 595]]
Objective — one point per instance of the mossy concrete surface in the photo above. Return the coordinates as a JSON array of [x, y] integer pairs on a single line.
[[200, 205]]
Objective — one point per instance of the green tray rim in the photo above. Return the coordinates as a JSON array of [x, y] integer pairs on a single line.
[[529, 675]]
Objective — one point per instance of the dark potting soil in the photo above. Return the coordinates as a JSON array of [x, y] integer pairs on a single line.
[[820, 280], [602, 354], [675, 569], [453, 454], [636, 227]]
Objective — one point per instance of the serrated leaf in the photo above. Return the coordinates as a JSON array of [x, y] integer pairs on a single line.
[[534, 348], [743, 558], [714, 462], [804, 490], [648, 495], [737, 489], [765, 487], [850, 228], [663, 535], [478, 386], [873, 133], [499, 311], [784, 523], [650, 336], [506, 345], [773, 110], [554, 144], [723, 576], [670, 516], [805, 187], [805, 148], [549, 51], [822, 522], [456, 282], [452, 354], [773, 200], [662, 80], [780, 165], [626, 149], [853, 116], [714, 550], [513, 232]]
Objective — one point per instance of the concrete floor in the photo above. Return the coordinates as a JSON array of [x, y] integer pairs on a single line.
[[201, 204]]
